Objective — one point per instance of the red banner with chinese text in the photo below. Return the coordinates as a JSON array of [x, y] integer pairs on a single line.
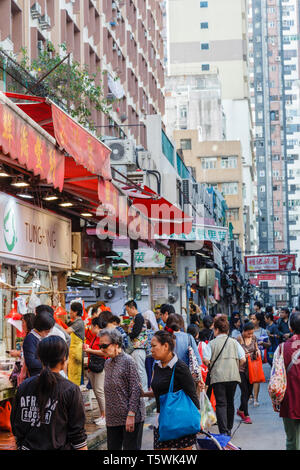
[[86, 149], [25, 144], [271, 263]]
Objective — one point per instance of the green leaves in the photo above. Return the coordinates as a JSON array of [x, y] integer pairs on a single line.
[[80, 91]]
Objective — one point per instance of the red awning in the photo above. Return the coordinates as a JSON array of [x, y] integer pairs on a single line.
[[166, 218], [79, 143]]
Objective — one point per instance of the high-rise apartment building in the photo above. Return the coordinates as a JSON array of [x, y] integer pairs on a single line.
[[121, 37], [211, 38], [274, 55]]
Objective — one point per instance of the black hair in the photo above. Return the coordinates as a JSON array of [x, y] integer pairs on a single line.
[[208, 321], [193, 330], [98, 322], [44, 308], [164, 337], [294, 322], [51, 351], [106, 316], [94, 310], [248, 326], [258, 304], [43, 321], [77, 308], [29, 320], [269, 316], [269, 309], [175, 322], [286, 310], [167, 308], [193, 307], [131, 303], [116, 319]]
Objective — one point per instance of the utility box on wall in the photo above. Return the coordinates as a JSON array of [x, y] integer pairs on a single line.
[[207, 277]]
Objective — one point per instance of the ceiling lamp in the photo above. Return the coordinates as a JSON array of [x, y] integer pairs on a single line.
[[66, 204], [19, 182], [25, 194], [3, 173], [50, 197]]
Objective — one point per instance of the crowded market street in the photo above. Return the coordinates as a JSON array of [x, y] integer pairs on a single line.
[[150, 228]]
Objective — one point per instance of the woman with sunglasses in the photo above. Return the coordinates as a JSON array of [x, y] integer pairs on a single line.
[[124, 406]]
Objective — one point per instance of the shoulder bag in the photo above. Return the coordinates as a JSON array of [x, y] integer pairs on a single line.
[[207, 382], [96, 363], [179, 404]]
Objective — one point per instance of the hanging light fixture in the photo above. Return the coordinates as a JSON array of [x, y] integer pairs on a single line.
[[19, 182], [3, 173], [86, 214], [66, 204], [25, 194], [50, 197]]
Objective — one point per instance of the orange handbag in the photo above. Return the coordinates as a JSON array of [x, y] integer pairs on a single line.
[[5, 412], [256, 372]]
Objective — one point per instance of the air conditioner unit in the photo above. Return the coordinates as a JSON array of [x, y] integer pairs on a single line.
[[278, 59], [187, 189], [115, 47], [131, 36], [45, 22], [137, 177], [122, 152], [36, 10], [119, 53]]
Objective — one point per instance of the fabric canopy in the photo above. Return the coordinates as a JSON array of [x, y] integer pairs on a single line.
[[166, 218]]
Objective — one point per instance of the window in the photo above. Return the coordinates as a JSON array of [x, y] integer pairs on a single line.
[[261, 159], [205, 67], [262, 173], [204, 46], [186, 144], [262, 189], [233, 214], [229, 162], [203, 4], [204, 25], [230, 189], [209, 163], [183, 111]]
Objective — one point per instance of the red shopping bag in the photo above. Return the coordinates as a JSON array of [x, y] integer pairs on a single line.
[[5, 412], [256, 373]]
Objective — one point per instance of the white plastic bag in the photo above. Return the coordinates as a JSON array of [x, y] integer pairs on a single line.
[[208, 416]]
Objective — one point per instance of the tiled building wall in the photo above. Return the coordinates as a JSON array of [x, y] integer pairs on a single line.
[[122, 37]]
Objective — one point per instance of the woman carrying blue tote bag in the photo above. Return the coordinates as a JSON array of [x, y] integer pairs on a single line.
[[179, 416]]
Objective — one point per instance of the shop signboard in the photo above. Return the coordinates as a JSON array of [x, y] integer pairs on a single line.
[[143, 258], [272, 263], [160, 289], [34, 236], [201, 233]]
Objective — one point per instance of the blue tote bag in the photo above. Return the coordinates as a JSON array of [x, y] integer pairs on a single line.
[[179, 416]]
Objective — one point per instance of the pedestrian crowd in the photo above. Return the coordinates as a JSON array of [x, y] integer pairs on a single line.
[[138, 356]]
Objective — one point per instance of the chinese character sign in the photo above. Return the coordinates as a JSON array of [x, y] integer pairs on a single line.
[[86, 149], [22, 142], [270, 263]]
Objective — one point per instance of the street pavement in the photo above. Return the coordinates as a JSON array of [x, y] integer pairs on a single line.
[[265, 433]]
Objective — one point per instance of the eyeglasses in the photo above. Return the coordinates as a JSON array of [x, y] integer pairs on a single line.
[[104, 346]]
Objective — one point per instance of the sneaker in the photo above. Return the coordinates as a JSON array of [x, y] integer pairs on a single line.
[[100, 421], [256, 403], [241, 414], [247, 420]]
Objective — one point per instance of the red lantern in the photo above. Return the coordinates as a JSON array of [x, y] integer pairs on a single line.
[[13, 314], [60, 311]]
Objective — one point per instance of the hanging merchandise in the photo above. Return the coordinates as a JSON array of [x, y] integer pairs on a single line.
[[22, 304], [34, 302], [60, 311]]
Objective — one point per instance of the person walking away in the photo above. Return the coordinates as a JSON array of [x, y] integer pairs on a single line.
[[194, 331], [182, 340], [248, 342], [57, 329], [77, 332], [43, 322], [283, 325], [263, 344], [223, 355], [273, 335], [124, 408], [207, 333], [96, 362], [115, 322], [290, 406], [48, 410], [138, 336], [163, 351]]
